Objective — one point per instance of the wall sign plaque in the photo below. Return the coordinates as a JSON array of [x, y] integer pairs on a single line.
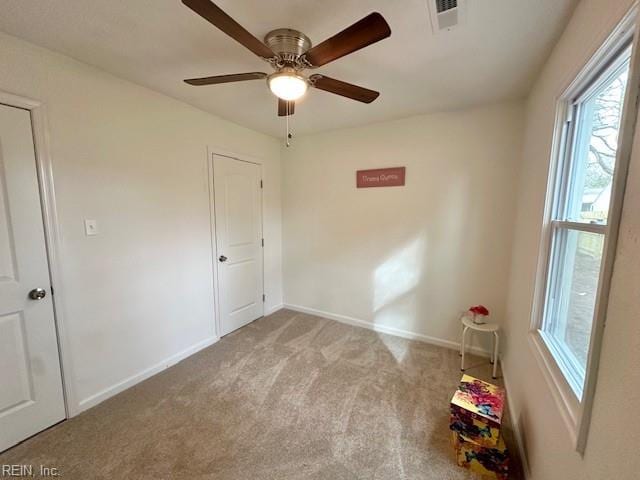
[[380, 177]]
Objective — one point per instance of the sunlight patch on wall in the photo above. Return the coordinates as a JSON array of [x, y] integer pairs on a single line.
[[399, 274], [394, 301]]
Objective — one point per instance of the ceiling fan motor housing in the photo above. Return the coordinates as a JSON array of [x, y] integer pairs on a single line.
[[288, 44]]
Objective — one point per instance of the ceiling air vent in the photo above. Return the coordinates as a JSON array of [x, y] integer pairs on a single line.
[[446, 14], [444, 5]]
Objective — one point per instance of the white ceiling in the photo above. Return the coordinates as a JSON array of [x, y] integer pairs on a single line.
[[494, 55]]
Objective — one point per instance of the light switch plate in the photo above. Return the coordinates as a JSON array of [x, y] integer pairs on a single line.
[[90, 227]]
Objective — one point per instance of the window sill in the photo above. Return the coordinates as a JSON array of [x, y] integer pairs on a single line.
[[566, 401]]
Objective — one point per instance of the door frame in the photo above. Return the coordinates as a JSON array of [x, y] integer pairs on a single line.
[[53, 239], [211, 152]]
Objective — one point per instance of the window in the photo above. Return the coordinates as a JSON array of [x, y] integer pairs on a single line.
[[591, 152], [579, 218]]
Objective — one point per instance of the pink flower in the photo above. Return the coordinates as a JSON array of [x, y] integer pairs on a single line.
[[479, 310]]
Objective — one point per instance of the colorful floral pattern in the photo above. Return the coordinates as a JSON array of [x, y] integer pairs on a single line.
[[481, 398], [476, 416], [488, 462], [474, 427]]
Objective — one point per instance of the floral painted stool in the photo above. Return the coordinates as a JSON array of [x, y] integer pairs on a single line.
[[469, 324]]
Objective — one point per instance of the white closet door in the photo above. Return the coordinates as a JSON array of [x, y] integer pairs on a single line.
[[31, 397], [238, 217]]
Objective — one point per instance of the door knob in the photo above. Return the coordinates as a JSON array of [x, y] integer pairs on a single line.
[[37, 294], [222, 258]]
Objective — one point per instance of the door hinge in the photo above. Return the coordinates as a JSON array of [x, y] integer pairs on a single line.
[[52, 290], [263, 242], [261, 184], [264, 297]]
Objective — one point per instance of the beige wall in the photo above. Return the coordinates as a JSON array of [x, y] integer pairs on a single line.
[[140, 292], [406, 259], [615, 427]]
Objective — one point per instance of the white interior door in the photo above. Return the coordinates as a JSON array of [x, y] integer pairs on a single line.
[[31, 397], [238, 223]]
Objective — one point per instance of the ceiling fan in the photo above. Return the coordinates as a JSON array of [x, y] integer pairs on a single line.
[[289, 52]]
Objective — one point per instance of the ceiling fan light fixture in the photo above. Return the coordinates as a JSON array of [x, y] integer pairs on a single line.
[[287, 84]]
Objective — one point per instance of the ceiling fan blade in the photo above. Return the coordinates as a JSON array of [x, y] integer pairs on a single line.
[[345, 89], [370, 29], [286, 108], [236, 77], [214, 14]]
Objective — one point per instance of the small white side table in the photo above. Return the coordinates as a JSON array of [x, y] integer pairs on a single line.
[[467, 323]]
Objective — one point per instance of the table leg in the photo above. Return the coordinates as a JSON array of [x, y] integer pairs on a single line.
[[462, 347], [492, 357], [496, 345]]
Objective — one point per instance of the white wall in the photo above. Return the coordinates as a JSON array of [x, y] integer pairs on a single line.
[[409, 258], [140, 293], [615, 426]]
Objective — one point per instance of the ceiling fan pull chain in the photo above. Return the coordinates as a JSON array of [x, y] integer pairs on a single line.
[[286, 128], [288, 137]]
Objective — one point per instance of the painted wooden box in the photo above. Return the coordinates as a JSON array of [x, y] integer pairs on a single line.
[[488, 462], [476, 411]]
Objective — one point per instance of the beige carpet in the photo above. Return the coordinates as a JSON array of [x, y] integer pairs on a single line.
[[291, 396]]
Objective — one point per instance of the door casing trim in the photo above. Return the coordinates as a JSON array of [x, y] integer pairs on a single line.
[[53, 239]]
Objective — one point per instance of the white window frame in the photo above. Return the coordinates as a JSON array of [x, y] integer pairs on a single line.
[[576, 412]]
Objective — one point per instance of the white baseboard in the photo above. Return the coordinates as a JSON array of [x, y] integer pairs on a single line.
[[516, 426], [386, 329], [101, 396], [274, 309]]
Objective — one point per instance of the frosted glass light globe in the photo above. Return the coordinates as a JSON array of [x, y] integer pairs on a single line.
[[287, 85]]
